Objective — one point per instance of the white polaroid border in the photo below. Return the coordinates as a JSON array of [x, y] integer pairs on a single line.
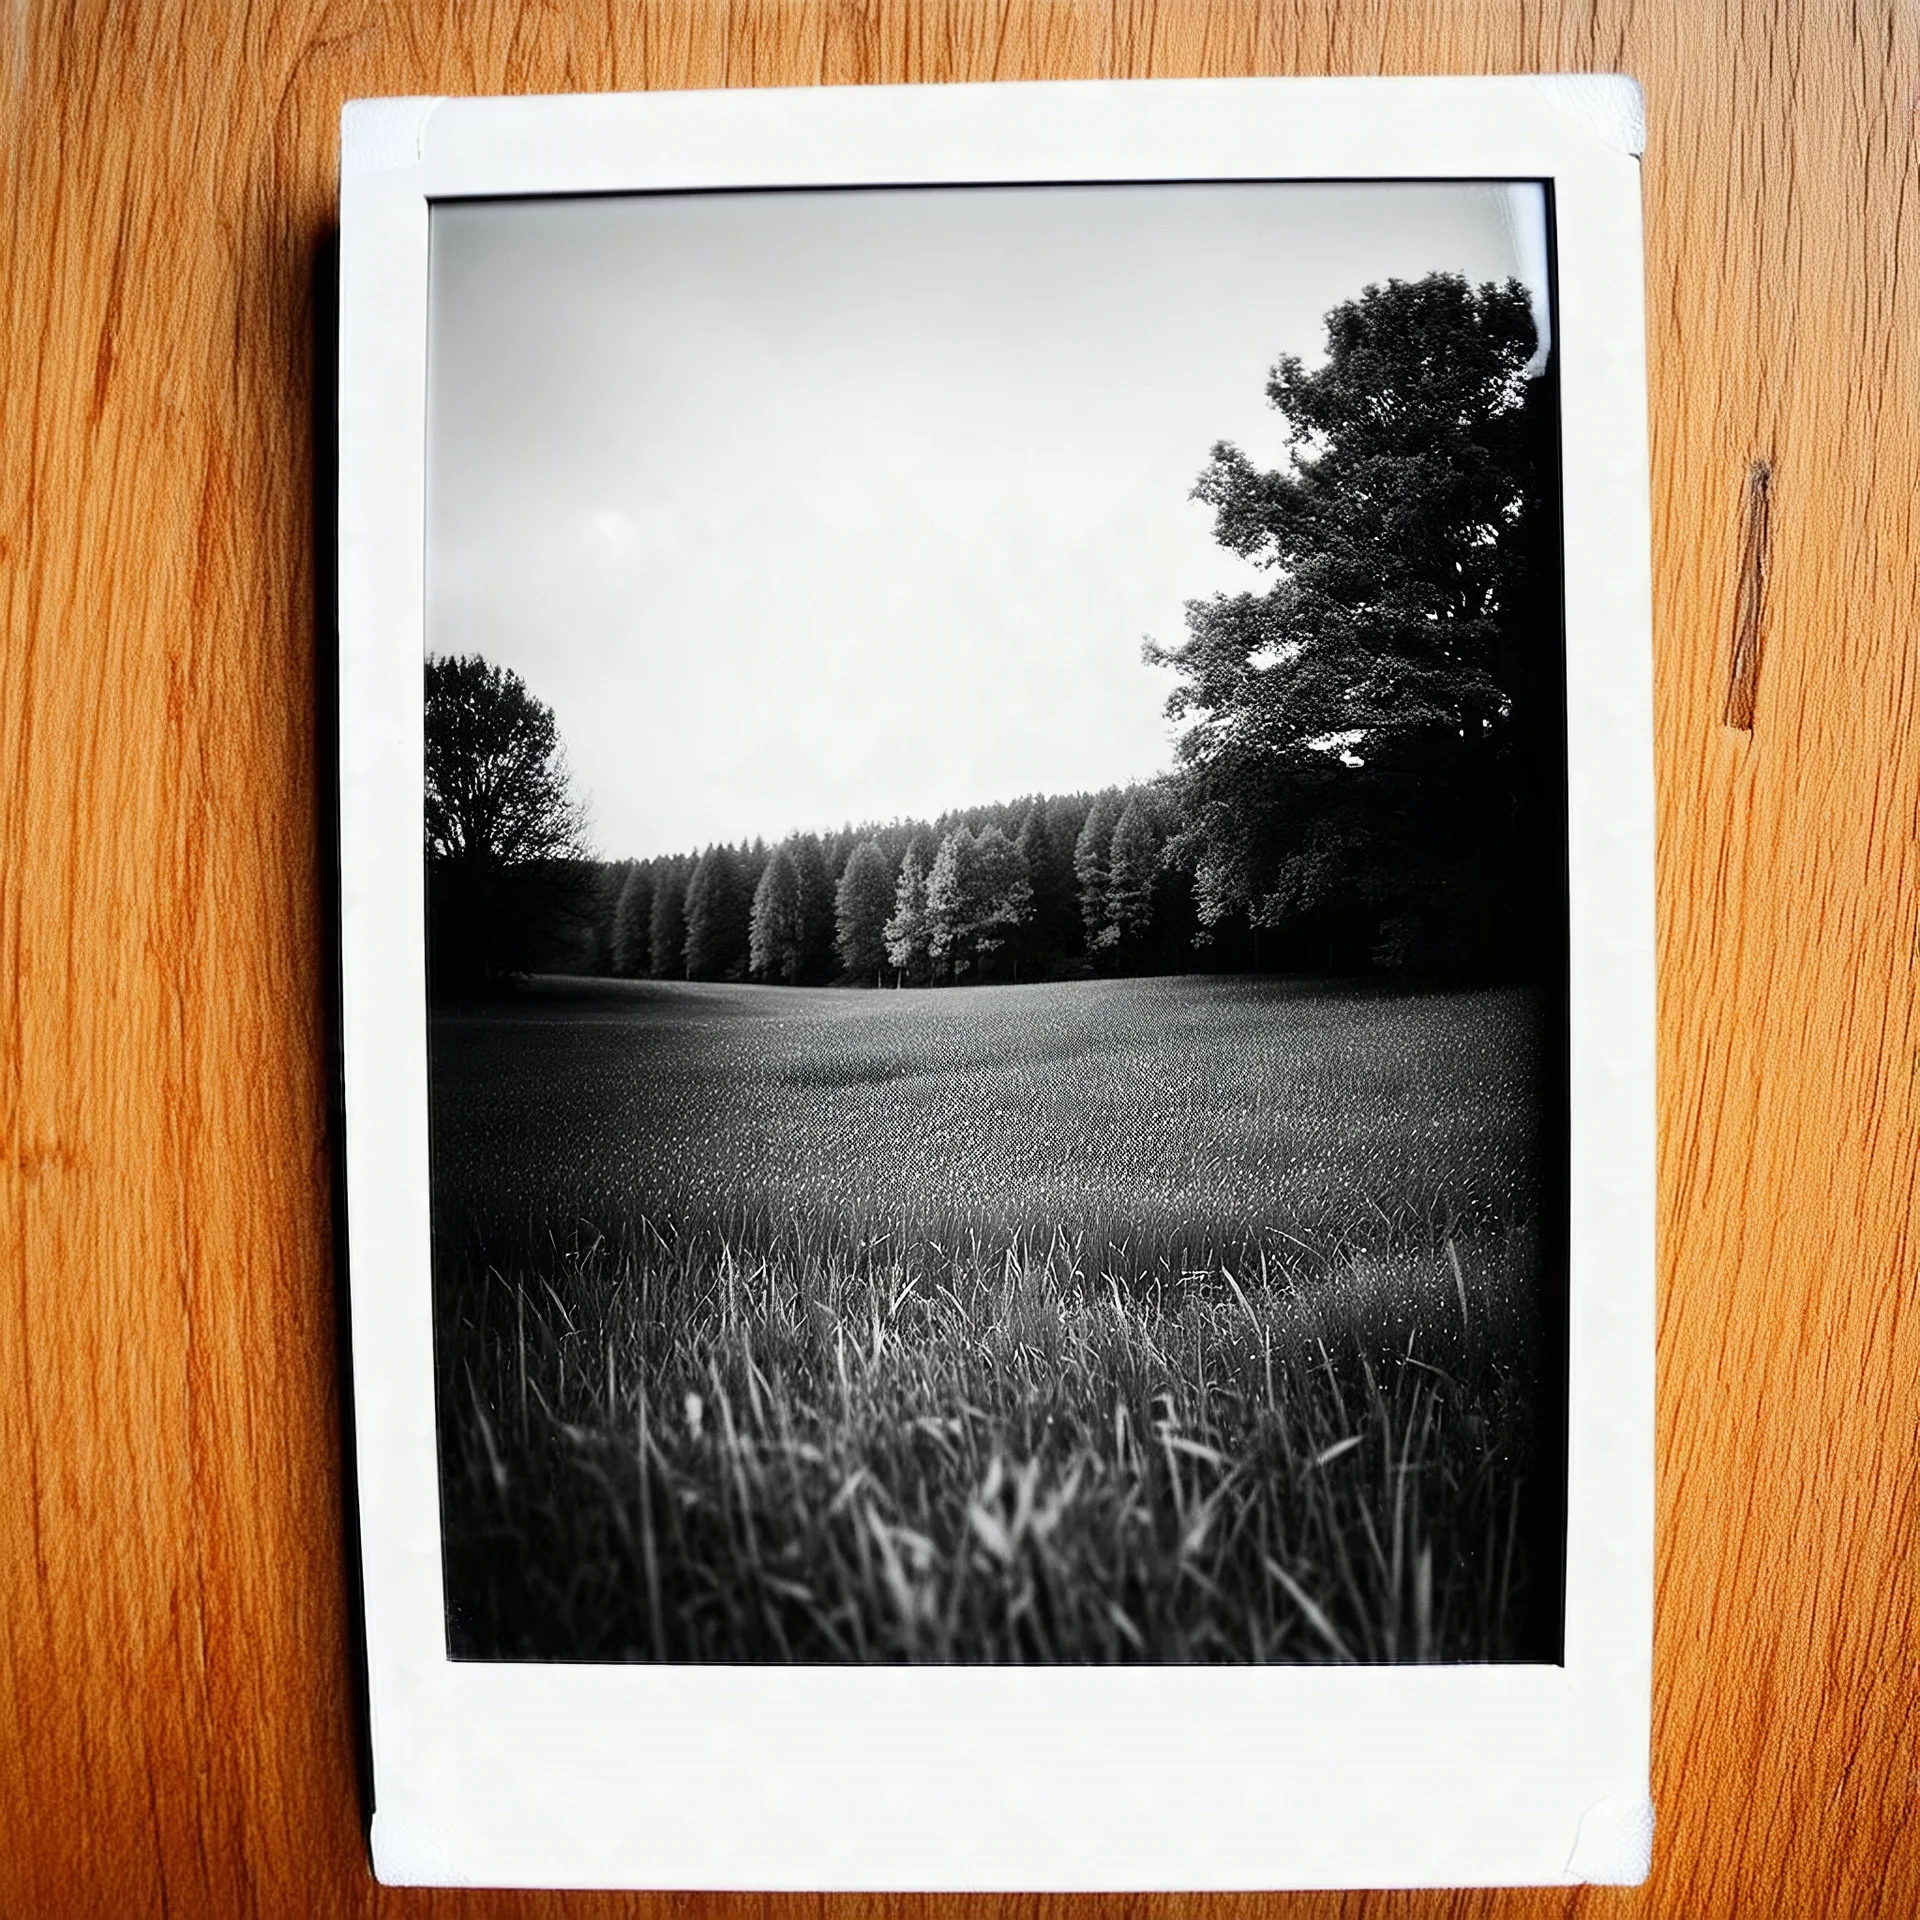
[[1178, 1778]]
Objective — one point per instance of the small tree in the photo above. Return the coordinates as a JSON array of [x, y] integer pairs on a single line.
[[948, 904], [777, 931], [1133, 862], [863, 905], [1002, 894], [1090, 856], [505, 838], [906, 930]]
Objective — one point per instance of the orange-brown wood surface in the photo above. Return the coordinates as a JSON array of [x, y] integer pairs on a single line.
[[178, 1721]]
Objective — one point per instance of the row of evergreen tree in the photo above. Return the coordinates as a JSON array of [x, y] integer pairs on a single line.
[[1044, 887]]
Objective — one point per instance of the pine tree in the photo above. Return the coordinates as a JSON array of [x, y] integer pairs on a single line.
[[1133, 862], [719, 907], [777, 931], [667, 924], [1054, 927], [1090, 855], [591, 949], [632, 921], [753, 860], [815, 878], [863, 904]]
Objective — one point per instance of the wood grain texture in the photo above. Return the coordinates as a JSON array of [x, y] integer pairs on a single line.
[[178, 1710]]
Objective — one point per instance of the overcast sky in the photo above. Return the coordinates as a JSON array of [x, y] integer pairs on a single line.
[[804, 508]]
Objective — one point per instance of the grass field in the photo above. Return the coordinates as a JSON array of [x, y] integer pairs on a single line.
[[1175, 1319]]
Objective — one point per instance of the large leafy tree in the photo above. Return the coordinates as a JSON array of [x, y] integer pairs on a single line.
[[505, 837], [497, 788], [1372, 737]]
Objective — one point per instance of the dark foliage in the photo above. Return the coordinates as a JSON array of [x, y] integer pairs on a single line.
[[818, 907], [633, 921], [1371, 770], [719, 915], [667, 924], [776, 935], [508, 888]]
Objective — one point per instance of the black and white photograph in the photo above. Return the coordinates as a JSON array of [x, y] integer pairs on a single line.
[[996, 849], [995, 838]]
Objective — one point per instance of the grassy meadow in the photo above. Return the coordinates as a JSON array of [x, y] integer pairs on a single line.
[[1185, 1319]]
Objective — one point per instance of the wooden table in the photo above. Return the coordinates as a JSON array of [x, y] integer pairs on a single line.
[[181, 1725]]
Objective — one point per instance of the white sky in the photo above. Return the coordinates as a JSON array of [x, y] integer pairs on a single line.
[[804, 508]]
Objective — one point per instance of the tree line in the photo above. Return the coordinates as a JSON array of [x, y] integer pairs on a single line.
[[1370, 773], [1042, 887]]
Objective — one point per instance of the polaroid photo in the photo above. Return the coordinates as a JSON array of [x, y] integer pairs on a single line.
[[997, 864]]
